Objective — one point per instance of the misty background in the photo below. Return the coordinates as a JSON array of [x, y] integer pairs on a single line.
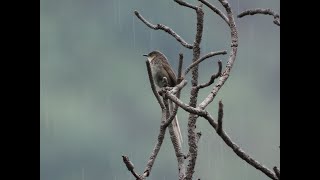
[[96, 103]]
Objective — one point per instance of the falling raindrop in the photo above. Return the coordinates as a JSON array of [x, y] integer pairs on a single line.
[[134, 32]]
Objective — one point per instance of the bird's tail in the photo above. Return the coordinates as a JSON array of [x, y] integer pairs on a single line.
[[176, 127]]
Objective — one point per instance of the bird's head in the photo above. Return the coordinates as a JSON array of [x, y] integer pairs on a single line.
[[153, 55]]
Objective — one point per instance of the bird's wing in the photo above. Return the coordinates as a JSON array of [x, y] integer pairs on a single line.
[[171, 74]]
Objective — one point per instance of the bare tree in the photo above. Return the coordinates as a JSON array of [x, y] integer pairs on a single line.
[[195, 109]]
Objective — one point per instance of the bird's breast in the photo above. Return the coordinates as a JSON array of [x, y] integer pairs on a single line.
[[158, 73]]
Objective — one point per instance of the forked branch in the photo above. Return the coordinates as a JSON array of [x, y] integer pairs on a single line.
[[234, 47], [216, 10], [209, 55], [212, 78]]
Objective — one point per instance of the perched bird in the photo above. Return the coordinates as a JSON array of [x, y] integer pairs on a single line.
[[161, 68]]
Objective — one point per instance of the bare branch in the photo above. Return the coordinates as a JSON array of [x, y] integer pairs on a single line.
[[216, 10], [243, 155], [211, 54], [193, 148], [173, 136], [182, 3], [178, 152], [153, 87], [130, 167], [234, 47], [220, 117], [213, 77], [178, 87], [180, 68], [157, 147], [197, 141], [165, 29], [185, 106], [246, 157], [172, 94], [275, 15], [172, 116], [277, 171]]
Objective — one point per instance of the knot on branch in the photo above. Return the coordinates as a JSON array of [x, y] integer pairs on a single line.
[[234, 44]]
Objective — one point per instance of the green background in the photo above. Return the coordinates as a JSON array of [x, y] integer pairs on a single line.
[[96, 102]]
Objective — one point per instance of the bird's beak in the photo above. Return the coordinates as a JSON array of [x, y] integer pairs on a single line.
[[146, 55]]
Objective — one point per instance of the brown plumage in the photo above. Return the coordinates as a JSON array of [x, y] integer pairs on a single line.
[[160, 68]]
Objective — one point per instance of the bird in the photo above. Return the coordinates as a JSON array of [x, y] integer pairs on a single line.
[[161, 68]]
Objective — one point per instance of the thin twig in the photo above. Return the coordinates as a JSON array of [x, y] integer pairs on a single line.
[[165, 114], [170, 117], [209, 55], [157, 147], [180, 86], [243, 155], [216, 10], [183, 3], [153, 87], [180, 68], [277, 171], [234, 47], [185, 106], [220, 117], [164, 28], [213, 77], [130, 167], [275, 15]]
